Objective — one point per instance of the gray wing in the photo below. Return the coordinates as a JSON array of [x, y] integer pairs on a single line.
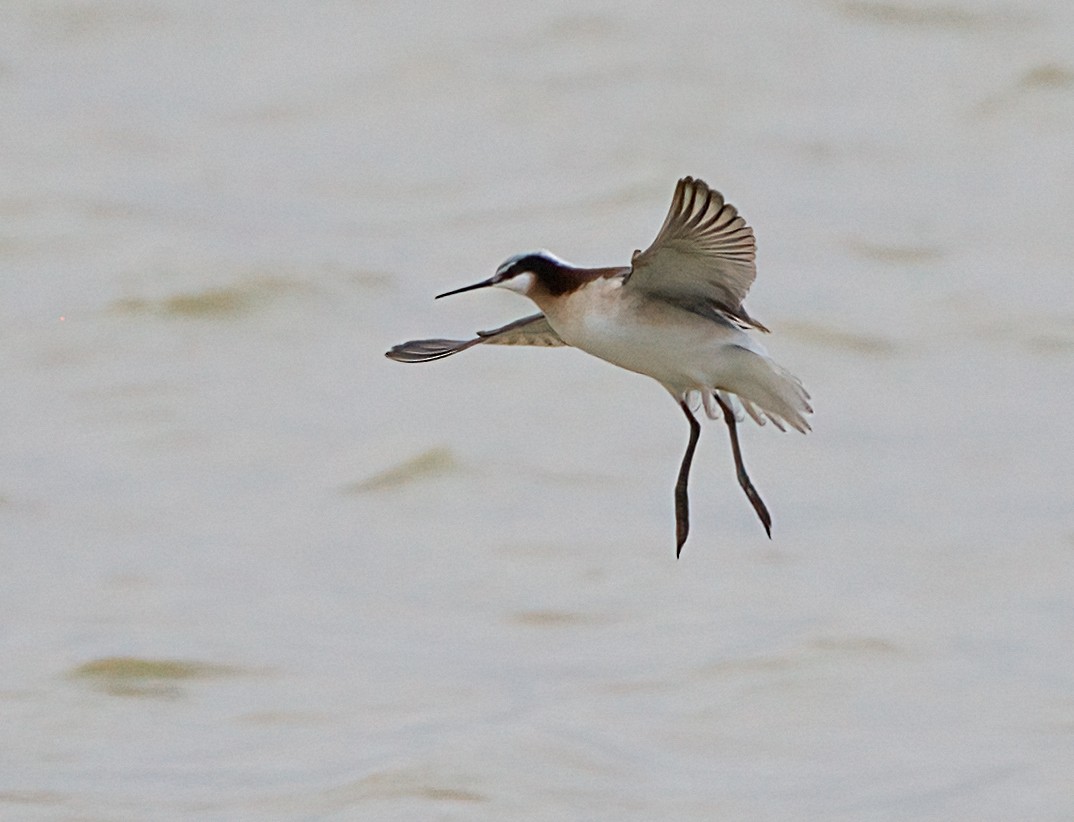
[[531, 330], [703, 258]]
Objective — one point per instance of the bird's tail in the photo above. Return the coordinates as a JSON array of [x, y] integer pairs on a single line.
[[766, 390]]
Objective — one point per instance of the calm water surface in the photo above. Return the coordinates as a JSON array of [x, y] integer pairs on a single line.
[[252, 569]]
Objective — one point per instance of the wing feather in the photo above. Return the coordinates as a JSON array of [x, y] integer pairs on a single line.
[[704, 257], [531, 330]]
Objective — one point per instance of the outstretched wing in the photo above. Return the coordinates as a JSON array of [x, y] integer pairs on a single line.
[[703, 258], [532, 330]]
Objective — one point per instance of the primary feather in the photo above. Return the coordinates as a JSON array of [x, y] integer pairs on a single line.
[[531, 330], [703, 258]]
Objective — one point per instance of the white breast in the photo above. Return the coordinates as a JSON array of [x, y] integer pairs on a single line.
[[650, 337]]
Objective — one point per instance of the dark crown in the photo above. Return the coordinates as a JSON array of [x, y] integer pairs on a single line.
[[550, 273]]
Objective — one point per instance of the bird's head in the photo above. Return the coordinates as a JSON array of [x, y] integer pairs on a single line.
[[537, 272]]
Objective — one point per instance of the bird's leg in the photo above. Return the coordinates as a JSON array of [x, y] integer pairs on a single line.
[[740, 469], [682, 504]]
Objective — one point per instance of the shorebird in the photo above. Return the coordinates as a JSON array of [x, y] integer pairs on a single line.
[[674, 314]]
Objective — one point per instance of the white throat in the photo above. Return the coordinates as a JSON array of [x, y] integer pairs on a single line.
[[521, 283]]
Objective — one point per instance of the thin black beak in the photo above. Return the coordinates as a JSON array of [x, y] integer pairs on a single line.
[[482, 284]]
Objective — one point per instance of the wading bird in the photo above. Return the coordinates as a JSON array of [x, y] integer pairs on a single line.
[[674, 314]]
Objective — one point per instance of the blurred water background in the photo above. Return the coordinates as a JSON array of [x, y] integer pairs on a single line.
[[252, 569]]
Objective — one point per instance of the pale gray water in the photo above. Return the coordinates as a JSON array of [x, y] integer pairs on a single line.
[[252, 569]]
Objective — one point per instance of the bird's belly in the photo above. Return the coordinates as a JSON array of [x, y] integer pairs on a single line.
[[681, 351]]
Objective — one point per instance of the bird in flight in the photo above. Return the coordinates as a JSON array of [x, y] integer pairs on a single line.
[[674, 314]]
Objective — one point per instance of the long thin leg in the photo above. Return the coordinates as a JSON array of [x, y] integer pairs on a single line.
[[740, 469], [682, 504]]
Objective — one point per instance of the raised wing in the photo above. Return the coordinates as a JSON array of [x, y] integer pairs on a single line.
[[703, 257], [531, 330]]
